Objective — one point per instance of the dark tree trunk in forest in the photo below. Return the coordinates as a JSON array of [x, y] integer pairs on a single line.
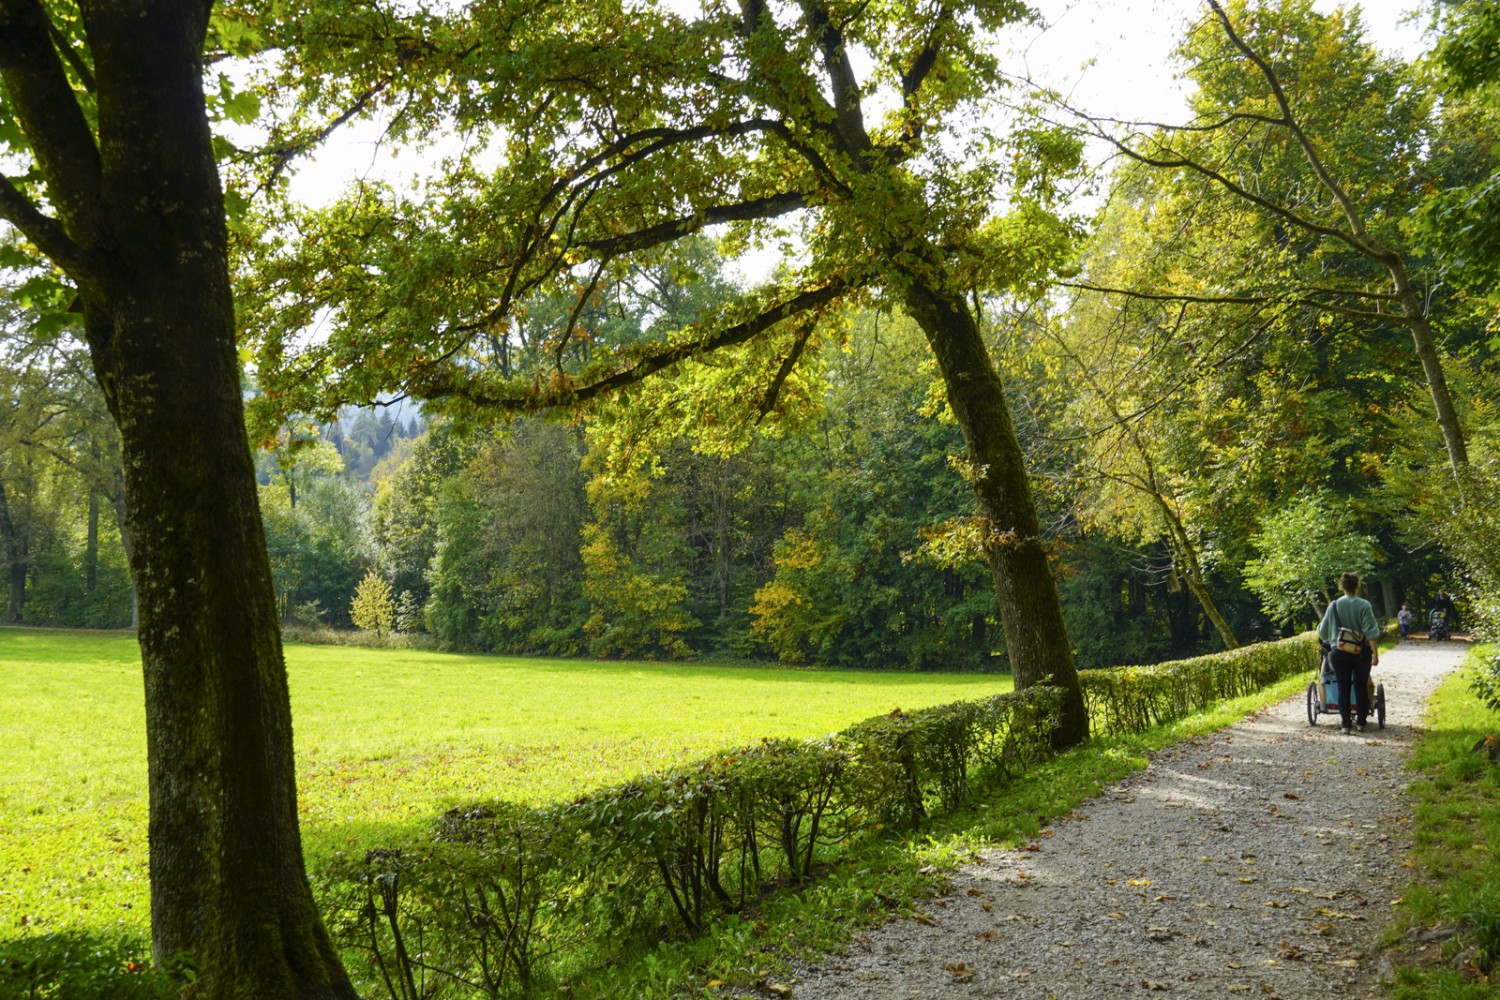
[[116, 496], [91, 544], [1030, 611], [142, 233], [1185, 554], [16, 561]]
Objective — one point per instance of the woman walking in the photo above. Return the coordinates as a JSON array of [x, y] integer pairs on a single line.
[[1350, 628]]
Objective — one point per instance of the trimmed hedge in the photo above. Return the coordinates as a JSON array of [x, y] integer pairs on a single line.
[[1134, 699], [485, 904]]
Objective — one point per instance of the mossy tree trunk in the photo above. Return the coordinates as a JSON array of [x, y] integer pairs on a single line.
[[139, 228], [1030, 610]]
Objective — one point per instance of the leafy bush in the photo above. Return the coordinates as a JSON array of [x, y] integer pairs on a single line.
[[492, 898], [76, 967], [1484, 681]]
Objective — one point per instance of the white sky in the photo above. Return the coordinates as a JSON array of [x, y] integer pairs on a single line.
[[1130, 44], [1109, 57], [1112, 57]]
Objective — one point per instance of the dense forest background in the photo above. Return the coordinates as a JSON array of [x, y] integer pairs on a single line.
[[1220, 410]]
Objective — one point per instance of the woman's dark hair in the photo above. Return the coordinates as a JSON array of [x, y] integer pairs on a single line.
[[1349, 583]]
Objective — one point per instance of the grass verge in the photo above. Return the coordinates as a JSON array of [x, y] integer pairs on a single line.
[[1446, 942]]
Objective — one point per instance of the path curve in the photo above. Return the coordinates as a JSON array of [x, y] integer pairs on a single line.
[[1261, 861]]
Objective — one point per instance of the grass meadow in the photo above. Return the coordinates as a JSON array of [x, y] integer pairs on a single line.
[[385, 740]]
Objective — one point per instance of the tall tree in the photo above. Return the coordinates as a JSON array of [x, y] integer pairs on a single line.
[[753, 116], [1314, 139], [104, 108]]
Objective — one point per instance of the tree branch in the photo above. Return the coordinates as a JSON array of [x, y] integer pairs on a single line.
[[1231, 300], [665, 232], [85, 75], [1240, 192], [912, 79], [841, 80], [442, 385], [284, 153], [799, 344], [44, 231], [1361, 240], [54, 124]]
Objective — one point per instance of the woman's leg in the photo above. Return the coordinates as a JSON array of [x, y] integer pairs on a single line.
[[1361, 683], [1343, 669]]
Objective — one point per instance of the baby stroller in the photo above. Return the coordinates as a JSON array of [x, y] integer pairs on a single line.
[[1437, 626], [1323, 694]]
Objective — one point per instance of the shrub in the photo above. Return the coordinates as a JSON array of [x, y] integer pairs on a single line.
[[373, 609], [77, 967]]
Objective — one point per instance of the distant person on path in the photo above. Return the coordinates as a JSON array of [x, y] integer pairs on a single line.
[[1403, 618], [1444, 603], [1350, 628]]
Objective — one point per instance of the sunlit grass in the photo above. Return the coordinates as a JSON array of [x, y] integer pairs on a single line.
[[1456, 847], [385, 740]]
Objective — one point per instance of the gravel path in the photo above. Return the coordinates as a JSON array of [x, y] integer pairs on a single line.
[[1261, 861]]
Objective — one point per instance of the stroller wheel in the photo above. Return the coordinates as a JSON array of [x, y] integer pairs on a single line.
[[1380, 705], [1312, 704]]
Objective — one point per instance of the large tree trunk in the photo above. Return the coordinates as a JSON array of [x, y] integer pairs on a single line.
[[1030, 612], [1432, 364], [142, 208]]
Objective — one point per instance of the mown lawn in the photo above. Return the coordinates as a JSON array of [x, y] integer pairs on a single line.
[[385, 740]]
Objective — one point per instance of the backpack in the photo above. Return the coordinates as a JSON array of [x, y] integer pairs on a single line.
[[1350, 640]]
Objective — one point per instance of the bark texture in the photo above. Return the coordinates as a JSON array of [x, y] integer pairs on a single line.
[[1030, 611], [141, 231]]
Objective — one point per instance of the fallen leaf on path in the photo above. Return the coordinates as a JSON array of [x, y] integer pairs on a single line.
[[960, 972], [1324, 911]]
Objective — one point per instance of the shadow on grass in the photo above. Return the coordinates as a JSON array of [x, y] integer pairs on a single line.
[[74, 966]]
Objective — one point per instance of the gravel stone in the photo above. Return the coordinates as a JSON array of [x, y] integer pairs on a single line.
[[1261, 861]]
